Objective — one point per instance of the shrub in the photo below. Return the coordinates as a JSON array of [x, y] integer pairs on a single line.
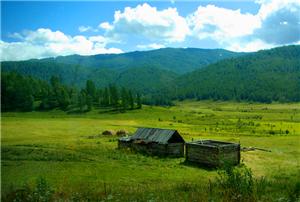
[[295, 193], [237, 184], [42, 192]]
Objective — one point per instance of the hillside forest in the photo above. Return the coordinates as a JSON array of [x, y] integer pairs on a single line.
[[264, 76]]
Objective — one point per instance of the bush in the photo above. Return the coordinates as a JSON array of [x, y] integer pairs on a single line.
[[237, 184], [42, 192]]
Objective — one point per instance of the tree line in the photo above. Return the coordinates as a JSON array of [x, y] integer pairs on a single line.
[[25, 93]]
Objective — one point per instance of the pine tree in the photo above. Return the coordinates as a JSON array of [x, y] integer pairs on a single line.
[[99, 97], [89, 102], [130, 100], [124, 99], [74, 96], [138, 101], [106, 98], [91, 89], [63, 97], [114, 96], [82, 100]]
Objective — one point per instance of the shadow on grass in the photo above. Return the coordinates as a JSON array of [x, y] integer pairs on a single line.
[[77, 111], [199, 165], [111, 111]]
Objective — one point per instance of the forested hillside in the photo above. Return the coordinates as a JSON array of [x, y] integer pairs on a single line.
[[178, 60], [145, 79], [265, 76]]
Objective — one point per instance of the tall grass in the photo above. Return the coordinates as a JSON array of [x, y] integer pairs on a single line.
[[232, 184]]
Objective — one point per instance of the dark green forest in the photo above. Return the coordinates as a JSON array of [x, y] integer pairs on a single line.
[[124, 81], [264, 76], [25, 93]]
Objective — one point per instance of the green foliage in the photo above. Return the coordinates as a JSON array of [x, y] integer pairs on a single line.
[[144, 72], [42, 192], [124, 98], [131, 100], [138, 100], [21, 92], [82, 100], [237, 184], [114, 96], [178, 60], [18, 92], [89, 102], [163, 75], [91, 89], [264, 76]]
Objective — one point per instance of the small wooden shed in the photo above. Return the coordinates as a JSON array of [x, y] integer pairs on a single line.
[[155, 141], [213, 153]]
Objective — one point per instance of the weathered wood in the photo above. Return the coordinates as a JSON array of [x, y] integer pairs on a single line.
[[254, 148], [213, 153], [175, 149], [172, 149], [155, 141]]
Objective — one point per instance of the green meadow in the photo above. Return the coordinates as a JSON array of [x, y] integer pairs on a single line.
[[69, 154]]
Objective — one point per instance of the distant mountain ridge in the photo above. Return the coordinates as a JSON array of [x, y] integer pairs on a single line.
[[178, 60], [264, 76], [144, 71]]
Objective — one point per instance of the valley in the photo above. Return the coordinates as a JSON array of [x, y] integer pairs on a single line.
[[69, 152]]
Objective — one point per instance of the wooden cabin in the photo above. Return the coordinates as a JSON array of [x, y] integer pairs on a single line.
[[155, 141], [213, 153]]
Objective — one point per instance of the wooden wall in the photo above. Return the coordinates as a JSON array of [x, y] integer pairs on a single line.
[[172, 149], [213, 156], [175, 149], [124, 144]]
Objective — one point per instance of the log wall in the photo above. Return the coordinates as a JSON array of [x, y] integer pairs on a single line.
[[213, 156], [172, 149]]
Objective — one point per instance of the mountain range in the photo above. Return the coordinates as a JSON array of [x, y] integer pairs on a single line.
[[265, 75]]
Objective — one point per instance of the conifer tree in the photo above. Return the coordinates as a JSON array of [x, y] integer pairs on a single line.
[[138, 101], [130, 100]]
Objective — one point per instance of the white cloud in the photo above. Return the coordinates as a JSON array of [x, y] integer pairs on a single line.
[[150, 46], [146, 21], [249, 46], [268, 7], [41, 35], [106, 26], [276, 23], [280, 22], [221, 24], [47, 43], [87, 29]]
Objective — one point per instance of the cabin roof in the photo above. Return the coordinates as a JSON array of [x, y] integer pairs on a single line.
[[158, 135]]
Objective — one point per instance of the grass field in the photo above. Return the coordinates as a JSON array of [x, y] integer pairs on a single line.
[[66, 151]]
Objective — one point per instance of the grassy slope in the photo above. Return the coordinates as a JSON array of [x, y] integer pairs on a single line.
[[56, 146]]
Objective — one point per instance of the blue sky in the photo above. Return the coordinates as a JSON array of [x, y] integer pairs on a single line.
[[44, 29]]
